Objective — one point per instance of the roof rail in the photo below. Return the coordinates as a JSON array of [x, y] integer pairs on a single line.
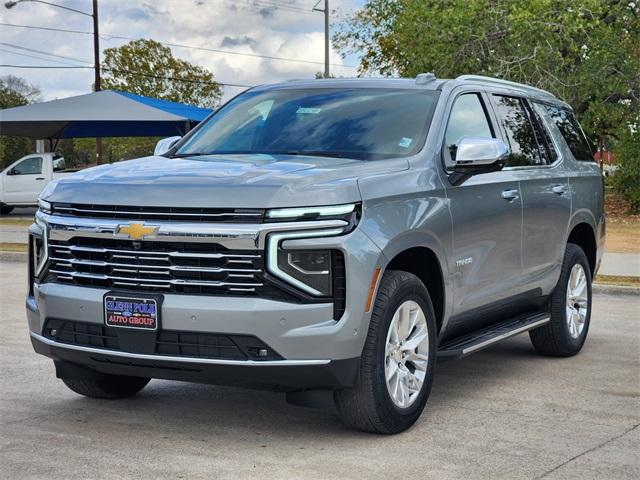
[[424, 78], [505, 83]]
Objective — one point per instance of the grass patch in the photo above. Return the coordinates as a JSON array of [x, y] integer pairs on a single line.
[[13, 247], [623, 236], [16, 222], [618, 280]]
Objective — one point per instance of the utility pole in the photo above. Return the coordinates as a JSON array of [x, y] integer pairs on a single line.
[[327, 73], [96, 66]]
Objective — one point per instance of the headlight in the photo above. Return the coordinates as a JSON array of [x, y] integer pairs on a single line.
[[310, 267], [38, 249], [44, 206], [349, 212], [307, 270]]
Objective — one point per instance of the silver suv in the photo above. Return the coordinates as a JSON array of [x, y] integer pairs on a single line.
[[327, 238]]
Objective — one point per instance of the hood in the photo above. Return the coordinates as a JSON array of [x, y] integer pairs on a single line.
[[220, 181]]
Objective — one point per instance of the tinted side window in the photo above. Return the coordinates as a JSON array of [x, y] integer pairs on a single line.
[[571, 132], [467, 119], [547, 148], [519, 132], [30, 166]]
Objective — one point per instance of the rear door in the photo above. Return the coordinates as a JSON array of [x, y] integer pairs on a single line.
[[24, 181], [544, 185], [487, 222]]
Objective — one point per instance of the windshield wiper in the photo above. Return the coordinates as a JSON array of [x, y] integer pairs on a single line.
[[183, 155], [315, 153]]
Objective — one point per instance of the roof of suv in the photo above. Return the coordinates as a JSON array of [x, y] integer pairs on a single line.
[[421, 82]]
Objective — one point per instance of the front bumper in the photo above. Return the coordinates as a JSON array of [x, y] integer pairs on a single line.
[[310, 341], [285, 375]]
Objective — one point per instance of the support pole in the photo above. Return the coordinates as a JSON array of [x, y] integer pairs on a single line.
[[96, 66]]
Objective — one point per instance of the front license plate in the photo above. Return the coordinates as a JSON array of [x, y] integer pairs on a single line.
[[130, 312]]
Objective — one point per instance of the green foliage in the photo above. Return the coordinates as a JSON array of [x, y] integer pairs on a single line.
[[82, 150], [15, 92], [627, 178], [146, 67], [586, 53]]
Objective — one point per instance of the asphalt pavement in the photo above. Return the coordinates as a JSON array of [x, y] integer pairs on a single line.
[[501, 413]]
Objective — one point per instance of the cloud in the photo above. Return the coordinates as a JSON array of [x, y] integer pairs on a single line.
[[234, 42], [238, 26]]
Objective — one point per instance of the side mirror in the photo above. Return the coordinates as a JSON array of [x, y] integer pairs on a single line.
[[164, 145], [11, 171], [476, 155]]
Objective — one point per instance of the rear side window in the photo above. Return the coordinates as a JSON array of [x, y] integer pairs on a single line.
[[519, 132], [547, 149], [571, 132], [468, 119]]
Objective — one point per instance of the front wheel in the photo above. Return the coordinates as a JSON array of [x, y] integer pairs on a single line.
[[570, 308], [397, 364]]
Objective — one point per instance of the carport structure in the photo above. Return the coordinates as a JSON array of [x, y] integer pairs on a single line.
[[108, 113]]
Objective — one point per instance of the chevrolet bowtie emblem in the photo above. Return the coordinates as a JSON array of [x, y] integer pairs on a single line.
[[137, 231]]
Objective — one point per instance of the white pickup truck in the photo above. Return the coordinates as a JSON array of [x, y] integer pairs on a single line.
[[22, 181]]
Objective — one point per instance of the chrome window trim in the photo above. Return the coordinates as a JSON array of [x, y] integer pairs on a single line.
[[168, 358]]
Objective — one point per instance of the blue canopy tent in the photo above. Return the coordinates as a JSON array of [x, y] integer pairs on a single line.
[[108, 113]]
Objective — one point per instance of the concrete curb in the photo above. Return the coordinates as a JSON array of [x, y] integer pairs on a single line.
[[615, 289], [13, 256]]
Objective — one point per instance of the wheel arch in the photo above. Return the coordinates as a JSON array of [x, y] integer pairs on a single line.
[[422, 261], [582, 232]]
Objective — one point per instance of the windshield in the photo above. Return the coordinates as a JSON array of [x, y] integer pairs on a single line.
[[364, 124]]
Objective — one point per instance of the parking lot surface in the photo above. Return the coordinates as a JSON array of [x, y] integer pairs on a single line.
[[502, 413]]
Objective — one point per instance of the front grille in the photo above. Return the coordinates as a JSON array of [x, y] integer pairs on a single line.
[[166, 342], [218, 215], [180, 267]]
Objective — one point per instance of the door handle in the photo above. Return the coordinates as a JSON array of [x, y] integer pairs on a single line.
[[39, 178], [511, 195], [559, 189]]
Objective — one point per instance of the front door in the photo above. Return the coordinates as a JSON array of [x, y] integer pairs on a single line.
[[24, 181], [487, 221]]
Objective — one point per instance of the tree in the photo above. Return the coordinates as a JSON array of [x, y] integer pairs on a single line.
[[586, 53], [15, 92], [146, 67]]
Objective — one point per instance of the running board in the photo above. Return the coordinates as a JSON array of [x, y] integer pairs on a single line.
[[459, 347]]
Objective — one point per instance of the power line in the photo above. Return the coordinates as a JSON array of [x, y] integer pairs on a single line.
[[107, 36], [136, 74], [162, 77], [50, 29], [40, 66], [33, 50], [34, 56]]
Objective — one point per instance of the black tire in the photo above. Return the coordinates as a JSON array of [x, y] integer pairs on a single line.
[[368, 406], [107, 386], [5, 209], [554, 338]]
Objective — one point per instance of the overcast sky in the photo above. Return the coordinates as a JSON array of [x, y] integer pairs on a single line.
[[279, 28]]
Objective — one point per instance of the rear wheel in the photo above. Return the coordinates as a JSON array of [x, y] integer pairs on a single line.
[[106, 386], [570, 309], [398, 359]]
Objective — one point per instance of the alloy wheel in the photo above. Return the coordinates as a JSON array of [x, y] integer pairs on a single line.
[[406, 354]]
